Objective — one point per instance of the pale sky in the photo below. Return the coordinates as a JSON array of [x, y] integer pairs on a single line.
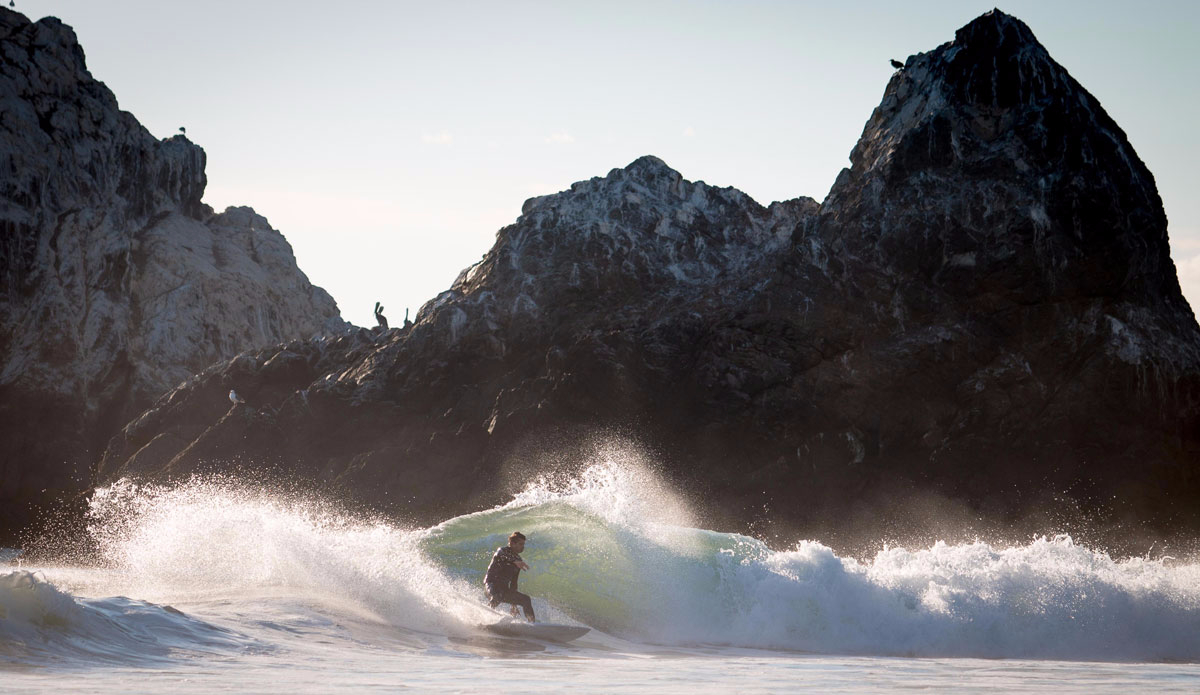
[[389, 141]]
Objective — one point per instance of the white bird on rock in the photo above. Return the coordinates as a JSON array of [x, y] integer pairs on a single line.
[[237, 400]]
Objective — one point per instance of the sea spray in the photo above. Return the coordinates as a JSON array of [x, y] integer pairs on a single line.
[[620, 486], [601, 552], [611, 548], [218, 535]]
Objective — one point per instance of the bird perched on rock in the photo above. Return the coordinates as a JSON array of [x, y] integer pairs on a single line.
[[897, 64], [237, 400], [184, 130], [383, 324]]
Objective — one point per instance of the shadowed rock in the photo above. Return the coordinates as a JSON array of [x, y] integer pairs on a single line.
[[116, 281], [980, 326]]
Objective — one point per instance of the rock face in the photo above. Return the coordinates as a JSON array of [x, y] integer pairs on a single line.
[[116, 281], [981, 324]]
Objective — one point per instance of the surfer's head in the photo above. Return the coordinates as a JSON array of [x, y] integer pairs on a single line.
[[517, 541]]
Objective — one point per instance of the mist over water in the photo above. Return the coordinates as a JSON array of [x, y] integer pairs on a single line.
[[221, 569], [213, 536]]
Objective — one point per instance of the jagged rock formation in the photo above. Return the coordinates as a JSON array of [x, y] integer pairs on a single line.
[[116, 281], [541, 331], [981, 322]]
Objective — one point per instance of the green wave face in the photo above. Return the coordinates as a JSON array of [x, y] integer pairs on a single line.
[[605, 574], [612, 550]]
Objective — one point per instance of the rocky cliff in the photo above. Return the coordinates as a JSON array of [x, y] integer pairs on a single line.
[[116, 281], [980, 325]]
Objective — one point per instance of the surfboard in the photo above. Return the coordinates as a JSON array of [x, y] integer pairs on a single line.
[[551, 632]]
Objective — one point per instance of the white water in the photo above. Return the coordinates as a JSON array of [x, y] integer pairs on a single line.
[[217, 585]]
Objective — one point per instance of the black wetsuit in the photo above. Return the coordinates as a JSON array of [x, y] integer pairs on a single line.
[[501, 581]]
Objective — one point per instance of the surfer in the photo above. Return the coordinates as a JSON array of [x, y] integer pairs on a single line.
[[501, 578]]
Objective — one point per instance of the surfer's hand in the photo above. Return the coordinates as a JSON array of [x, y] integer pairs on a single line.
[[514, 611], [523, 565]]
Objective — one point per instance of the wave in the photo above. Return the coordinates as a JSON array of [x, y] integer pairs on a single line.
[[40, 624], [601, 553], [217, 537], [613, 549]]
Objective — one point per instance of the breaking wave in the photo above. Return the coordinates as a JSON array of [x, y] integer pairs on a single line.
[[612, 549], [601, 553]]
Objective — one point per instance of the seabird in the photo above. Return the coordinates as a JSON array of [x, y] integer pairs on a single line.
[[237, 400], [184, 130], [897, 64]]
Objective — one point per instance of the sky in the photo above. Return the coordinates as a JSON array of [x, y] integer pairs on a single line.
[[390, 141]]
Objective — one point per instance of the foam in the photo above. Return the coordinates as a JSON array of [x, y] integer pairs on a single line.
[[607, 549], [608, 565], [217, 536]]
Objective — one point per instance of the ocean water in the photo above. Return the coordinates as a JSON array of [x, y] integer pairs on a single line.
[[217, 585]]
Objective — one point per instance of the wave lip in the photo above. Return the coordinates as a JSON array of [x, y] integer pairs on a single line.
[[599, 555], [42, 625], [613, 550]]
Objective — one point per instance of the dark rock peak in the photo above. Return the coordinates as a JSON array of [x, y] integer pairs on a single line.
[[649, 167], [994, 66], [61, 105], [116, 280], [640, 228], [11, 20], [639, 241], [996, 61], [646, 176], [48, 35], [980, 313], [996, 30], [988, 169]]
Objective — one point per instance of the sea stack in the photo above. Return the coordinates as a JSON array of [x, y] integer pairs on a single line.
[[980, 325], [116, 281]]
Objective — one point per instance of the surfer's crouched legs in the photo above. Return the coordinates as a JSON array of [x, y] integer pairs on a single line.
[[498, 595]]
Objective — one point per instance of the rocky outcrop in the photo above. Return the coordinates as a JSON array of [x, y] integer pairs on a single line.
[[116, 282], [564, 325], [980, 325]]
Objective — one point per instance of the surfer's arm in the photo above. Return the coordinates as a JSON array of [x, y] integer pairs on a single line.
[[518, 562]]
